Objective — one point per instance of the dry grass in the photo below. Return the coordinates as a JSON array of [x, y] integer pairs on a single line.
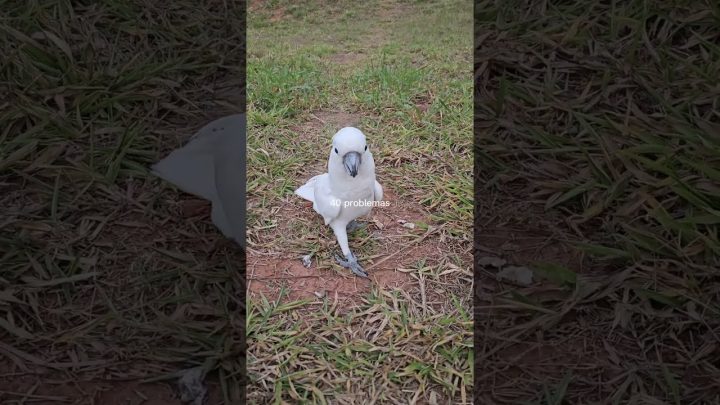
[[103, 278], [598, 152]]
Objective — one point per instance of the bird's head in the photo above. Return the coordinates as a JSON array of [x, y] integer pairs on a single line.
[[350, 149]]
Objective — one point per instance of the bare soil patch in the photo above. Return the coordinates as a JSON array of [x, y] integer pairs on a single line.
[[277, 14], [387, 226]]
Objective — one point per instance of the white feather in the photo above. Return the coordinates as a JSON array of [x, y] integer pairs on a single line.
[[212, 166]]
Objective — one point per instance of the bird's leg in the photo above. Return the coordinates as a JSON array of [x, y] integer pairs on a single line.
[[351, 261], [354, 226]]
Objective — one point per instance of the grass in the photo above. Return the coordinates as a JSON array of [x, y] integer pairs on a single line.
[[600, 121], [102, 277], [313, 68]]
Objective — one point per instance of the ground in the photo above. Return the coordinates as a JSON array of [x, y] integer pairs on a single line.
[[399, 71], [107, 278], [596, 169]]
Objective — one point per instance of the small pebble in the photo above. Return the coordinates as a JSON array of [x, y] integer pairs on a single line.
[[307, 260]]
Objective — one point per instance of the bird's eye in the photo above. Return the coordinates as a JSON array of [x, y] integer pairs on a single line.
[[336, 151], [365, 147]]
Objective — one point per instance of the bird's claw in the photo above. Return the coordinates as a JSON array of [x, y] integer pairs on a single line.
[[352, 264], [354, 226]]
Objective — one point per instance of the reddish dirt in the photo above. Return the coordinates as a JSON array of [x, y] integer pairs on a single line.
[[423, 102], [268, 273], [278, 14]]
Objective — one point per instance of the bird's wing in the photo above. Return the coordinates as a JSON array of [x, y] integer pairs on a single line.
[[378, 191], [324, 202], [307, 190], [212, 166], [230, 182], [190, 168]]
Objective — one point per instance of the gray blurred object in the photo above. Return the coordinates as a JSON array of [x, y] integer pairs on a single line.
[[192, 386], [212, 166]]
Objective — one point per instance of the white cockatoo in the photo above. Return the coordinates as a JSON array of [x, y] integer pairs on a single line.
[[212, 166], [347, 191]]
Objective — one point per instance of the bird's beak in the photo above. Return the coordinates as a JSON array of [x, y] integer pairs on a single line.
[[352, 161]]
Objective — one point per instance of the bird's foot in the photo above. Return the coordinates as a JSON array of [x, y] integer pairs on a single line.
[[352, 264], [355, 225]]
